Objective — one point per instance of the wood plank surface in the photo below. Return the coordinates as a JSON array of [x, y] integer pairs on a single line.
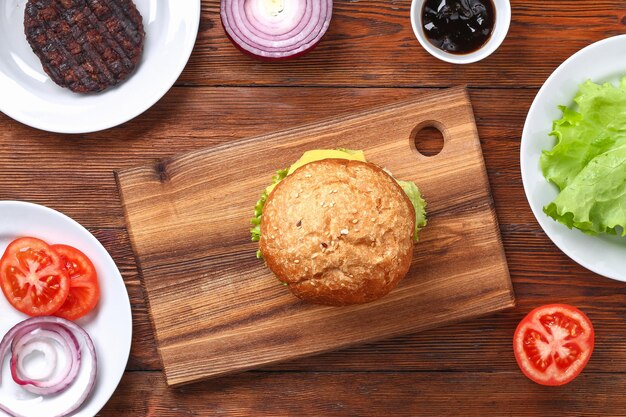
[[370, 394], [462, 369], [371, 43], [188, 218], [540, 272], [213, 117]]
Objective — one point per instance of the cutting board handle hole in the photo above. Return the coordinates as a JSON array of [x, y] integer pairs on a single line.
[[428, 139]]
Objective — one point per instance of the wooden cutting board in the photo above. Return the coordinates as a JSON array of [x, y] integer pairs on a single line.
[[216, 309]]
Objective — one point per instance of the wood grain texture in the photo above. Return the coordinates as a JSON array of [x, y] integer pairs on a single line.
[[188, 218], [371, 43], [340, 394], [540, 274], [464, 369], [217, 116]]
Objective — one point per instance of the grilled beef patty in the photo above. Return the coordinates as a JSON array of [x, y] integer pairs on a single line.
[[85, 45]]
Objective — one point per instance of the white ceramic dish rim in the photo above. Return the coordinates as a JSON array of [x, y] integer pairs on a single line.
[[503, 22], [560, 235], [113, 121], [97, 401]]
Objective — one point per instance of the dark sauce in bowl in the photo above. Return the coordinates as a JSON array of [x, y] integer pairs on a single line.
[[458, 26]]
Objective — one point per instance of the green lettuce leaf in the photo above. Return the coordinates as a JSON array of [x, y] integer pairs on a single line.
[[255, 230], [411, 190], [587, 163], [595, 201], [348, 151]]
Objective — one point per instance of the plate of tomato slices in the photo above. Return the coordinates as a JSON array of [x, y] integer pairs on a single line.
[[65, 301]]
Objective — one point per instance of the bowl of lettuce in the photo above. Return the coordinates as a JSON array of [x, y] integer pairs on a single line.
[[573, 157]]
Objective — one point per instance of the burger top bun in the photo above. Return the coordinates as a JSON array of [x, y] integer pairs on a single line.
[[338, 232]]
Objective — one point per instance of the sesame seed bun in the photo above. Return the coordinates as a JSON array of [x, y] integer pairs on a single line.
[[338, 232]]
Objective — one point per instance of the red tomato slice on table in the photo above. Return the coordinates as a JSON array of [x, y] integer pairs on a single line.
[[84, 290], [32, 277], [553, 343]]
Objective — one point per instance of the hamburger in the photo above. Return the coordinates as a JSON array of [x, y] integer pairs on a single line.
[[336, 229]]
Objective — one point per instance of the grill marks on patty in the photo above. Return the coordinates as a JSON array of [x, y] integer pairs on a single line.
[[85, 45]]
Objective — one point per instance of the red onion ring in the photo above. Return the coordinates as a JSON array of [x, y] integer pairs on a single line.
[[276, 29], [47, 330], [51, 386], [50, 354]]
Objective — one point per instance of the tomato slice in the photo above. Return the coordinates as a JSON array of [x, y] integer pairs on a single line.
[[84, 290], [32, 277], [553, 344]]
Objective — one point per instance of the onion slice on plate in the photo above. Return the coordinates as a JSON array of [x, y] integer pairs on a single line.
[[43, 334], [276, 29]]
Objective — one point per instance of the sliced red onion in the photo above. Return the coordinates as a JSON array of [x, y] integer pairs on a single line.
[[49, 353], [41, 333], [276, 29], [62, 380]]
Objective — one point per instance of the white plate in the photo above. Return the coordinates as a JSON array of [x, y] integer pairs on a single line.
[[31, 97], [109, 325], [600, 62]]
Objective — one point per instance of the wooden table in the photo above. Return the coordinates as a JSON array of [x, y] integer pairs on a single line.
[[369, 56]]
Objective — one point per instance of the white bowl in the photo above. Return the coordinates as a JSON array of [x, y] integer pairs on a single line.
[[503, 21]]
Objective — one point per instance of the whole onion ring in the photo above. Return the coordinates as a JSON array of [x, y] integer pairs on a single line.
[[276, 29], [42, 333]]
